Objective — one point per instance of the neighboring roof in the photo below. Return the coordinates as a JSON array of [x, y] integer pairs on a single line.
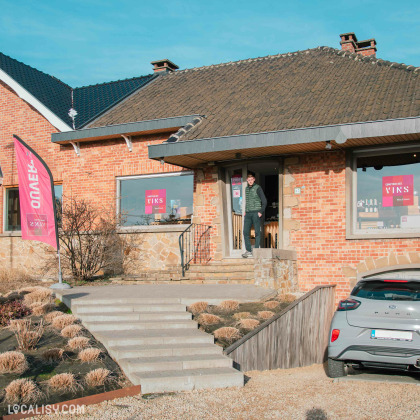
[[89, 101], [316, 87], [50, 91]]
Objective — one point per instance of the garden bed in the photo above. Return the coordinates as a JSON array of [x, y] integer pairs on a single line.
[[41, 371], [231, 320]]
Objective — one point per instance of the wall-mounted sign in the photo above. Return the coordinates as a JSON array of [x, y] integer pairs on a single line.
[[397, 190], [155, 201]]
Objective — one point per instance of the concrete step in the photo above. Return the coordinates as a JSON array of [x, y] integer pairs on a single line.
[[164, 350], [134, 316], [145, 337], [119, 300], [242, 268], [153, 364], [140, 325], [241, 275], [164, 307], [186, 380]]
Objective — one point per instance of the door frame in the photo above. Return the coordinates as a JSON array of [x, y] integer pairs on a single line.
[[226, 206]]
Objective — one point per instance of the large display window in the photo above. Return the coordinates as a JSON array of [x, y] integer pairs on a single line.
[[385, 192], [156, 199]]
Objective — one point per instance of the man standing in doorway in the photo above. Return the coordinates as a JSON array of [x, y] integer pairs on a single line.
[[254, 208]]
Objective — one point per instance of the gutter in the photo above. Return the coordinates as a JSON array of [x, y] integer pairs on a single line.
[[98, 133], [339, 133]]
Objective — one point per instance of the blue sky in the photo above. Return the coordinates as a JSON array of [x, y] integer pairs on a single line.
[[93, 41]]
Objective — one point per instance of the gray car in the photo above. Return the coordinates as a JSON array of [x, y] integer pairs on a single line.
[[378, 325]]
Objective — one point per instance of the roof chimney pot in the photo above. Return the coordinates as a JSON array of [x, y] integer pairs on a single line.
[[164, 66], [350, 43]]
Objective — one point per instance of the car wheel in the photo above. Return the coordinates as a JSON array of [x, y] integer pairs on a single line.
[[336, 368]]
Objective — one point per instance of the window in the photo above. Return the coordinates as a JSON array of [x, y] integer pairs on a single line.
[[385, 191], [156, 199], [12, 207]]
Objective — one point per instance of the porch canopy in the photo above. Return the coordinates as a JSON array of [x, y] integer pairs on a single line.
[[200, 152]]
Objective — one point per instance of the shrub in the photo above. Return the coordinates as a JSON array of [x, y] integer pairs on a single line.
[[208, 319], [16, 323], [28, 289], [228, 334], [28, 334], [241, 315], [53, 355], [89, 240], [228, 305], [288, 298], [12, 310], [265, 314], [89, 355], [63, 320], [63, 382], [97, 377], [13, 362], [11, 278], [41, 295], [248, 323], [271, 304], [198, 307], [50, 316], [22, 391], [71, 331], [43, 309], [78, 343]]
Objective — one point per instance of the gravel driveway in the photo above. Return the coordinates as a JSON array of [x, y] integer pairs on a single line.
[[301, 393]]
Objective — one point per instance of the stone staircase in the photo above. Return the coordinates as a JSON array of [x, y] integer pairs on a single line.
[[157, 344], [231, 271]]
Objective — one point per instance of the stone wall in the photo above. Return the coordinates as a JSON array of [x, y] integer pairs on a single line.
[[146, 250], [276, 269]]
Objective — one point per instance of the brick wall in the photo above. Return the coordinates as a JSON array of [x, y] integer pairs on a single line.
[[90, 176], [314, 225]]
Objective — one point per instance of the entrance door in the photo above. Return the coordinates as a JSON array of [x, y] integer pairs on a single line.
[[267, 176], [235, 184]]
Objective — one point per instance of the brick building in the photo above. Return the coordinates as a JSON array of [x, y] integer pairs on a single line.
[[333, 136]]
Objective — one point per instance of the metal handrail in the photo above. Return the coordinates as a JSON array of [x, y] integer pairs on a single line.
[[194, 245]]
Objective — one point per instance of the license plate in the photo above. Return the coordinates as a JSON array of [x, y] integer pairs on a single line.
[[392, 335]]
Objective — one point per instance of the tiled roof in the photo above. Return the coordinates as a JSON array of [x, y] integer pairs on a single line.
[[89, 101], [316, 87], [52, 92]]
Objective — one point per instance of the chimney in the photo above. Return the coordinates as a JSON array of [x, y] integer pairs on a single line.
[[163, 66], [350, 43]]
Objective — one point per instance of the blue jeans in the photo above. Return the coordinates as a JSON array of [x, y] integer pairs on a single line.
[[252, 218]]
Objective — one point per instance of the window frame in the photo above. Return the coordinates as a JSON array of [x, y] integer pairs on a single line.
[[163, 227], [5, 213], [351, 191]]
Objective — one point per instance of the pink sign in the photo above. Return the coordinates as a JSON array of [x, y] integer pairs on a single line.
[[155, 201], [35, 195], [397, 190]]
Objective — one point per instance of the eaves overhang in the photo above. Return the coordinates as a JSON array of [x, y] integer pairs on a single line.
[[127, 129], [192, 153], [57, 122]]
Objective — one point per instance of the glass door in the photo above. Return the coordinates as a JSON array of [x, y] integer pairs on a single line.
[[235, 184], [267, 177]]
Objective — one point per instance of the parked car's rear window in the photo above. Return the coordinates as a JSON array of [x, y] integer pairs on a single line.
[[381, 290]]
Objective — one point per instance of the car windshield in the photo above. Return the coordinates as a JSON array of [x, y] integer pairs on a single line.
[[387, 290]]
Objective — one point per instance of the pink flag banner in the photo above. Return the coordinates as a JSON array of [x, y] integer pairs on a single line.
[[36, 196]]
